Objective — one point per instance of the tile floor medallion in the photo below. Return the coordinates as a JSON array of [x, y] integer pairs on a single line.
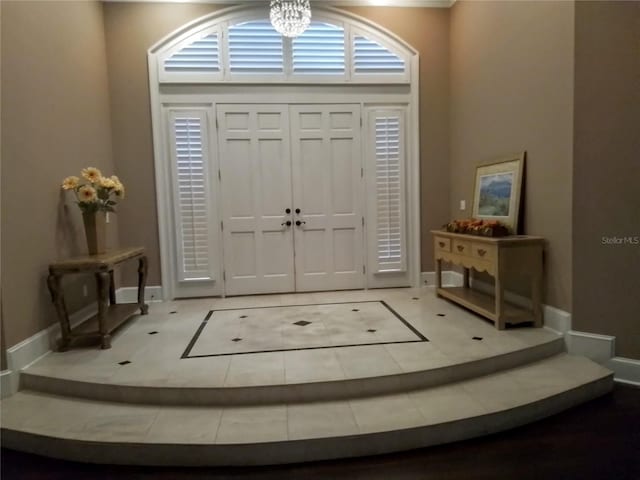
[[299, 327]]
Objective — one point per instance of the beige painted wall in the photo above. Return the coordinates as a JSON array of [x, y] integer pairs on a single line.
[[512, 90], [606, 195], [55, 120], [131, 28]]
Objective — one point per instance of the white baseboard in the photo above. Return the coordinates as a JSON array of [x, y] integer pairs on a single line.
[[130, 294], [5, 383], [23, 354], [599, 348], [449, 278], [626, 370]]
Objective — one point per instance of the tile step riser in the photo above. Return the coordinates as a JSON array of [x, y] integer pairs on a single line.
[[149, 454], [294, 393]]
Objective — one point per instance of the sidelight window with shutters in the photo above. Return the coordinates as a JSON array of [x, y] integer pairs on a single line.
[[234, 61]]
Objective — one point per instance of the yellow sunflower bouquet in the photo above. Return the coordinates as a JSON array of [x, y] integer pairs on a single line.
[[96, 193]]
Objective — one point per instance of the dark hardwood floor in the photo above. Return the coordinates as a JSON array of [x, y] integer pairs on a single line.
[[597, 440]]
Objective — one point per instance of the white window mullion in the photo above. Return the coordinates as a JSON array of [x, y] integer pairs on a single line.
[[189, 154]]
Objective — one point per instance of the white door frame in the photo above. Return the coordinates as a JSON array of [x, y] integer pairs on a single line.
[[367, 94]]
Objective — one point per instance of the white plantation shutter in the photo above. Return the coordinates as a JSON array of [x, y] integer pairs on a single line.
[[319, 50], [189, 155], [201, 56], [370, 57], [387, 134], [255, 47]]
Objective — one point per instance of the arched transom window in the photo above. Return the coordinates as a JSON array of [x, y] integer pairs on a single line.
[[244, 47]]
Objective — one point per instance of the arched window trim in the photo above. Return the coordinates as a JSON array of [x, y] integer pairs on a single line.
[[218, 23]]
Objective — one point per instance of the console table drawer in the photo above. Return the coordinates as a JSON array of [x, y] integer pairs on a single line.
[[483, 251], [461, 247], [443, 244]]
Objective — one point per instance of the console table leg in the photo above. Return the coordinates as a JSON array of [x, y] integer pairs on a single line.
[[103, 280], [500, 323], [142, 282], [439, 273], [54, 283], [465, 278], [536, 300], [112, 289]]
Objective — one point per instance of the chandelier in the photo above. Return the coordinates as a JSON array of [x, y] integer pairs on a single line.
[[290, 17]]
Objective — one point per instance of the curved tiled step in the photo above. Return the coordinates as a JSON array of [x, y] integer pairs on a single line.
[[158, 393], [103, 432]]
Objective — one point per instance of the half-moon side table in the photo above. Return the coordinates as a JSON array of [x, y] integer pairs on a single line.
[[110, 314]]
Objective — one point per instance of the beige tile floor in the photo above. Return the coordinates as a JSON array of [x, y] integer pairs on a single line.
[[156, 358], [112, 422]]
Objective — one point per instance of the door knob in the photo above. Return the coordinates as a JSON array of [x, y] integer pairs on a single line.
[[300, 222], [288, 211], [298, 211], [287, 223]]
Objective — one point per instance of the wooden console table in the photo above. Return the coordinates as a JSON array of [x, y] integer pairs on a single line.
[[498, 257], [110, 315]]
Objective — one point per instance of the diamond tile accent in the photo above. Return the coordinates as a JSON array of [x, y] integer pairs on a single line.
[[441, 315], [302, 323], [153, 333], [243, 316], [236, 339], [477, 338], [126, 362], [372, 330]]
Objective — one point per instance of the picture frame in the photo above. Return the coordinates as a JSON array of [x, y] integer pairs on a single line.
[[498, 189]]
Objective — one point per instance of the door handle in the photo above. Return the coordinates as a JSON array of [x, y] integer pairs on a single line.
[[298, 211], [288, 211], [300, 222], [287, 223]]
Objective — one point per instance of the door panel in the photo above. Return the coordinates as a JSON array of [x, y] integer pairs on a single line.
[[327, 188], [255, 165]]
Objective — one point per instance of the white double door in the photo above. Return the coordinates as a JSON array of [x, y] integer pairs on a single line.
[[291, 187]]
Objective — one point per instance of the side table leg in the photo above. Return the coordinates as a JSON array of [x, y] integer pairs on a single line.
[[112, 289], [102, 280], [142, 283], [54, 283]]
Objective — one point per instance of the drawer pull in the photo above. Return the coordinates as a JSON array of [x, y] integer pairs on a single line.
[[460, 248], [441, 244], [482, 252]]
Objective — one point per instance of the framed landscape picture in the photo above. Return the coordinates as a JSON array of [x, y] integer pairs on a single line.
[[497, 191]]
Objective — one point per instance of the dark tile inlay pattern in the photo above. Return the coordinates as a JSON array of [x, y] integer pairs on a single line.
[[415, 298], [441, 314], [173, 312], [243, 316], [355, 310], [372, 330], [192, 342], [236, 339], [126, 362], [153, 333], [477, 338]]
